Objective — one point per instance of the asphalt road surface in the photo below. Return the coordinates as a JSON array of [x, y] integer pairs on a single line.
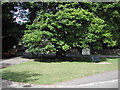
[[103, 84]]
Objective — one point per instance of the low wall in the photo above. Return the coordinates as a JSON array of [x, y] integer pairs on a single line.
[[75, 53], [106, 52], [96, 52]]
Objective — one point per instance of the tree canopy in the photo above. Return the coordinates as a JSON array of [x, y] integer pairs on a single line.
[[71, 26], [59, 26]]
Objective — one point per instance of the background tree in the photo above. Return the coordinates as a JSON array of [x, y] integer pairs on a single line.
[[110, 13], [36, 8], [10, 29]]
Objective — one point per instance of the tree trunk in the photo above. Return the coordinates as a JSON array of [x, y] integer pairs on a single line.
[[60, 54]]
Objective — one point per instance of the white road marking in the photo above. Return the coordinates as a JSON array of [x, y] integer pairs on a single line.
[[90, 83]]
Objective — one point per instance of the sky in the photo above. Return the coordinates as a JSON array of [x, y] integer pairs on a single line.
[[20, 15]]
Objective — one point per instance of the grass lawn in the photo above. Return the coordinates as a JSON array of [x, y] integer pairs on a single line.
[[50, 73]]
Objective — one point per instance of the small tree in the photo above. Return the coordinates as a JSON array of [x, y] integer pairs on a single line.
[[67, 28]]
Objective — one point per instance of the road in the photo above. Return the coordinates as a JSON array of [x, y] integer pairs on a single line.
[[103, 84]]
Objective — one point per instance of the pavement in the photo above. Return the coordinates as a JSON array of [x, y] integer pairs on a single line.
[[12, 61], [103, 80]]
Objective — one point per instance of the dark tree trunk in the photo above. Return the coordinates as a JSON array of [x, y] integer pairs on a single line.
[[60, 54]]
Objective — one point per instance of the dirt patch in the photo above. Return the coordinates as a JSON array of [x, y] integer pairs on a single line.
[[103, 63]]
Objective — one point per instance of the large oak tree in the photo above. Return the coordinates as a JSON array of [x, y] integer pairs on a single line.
[[65, 29]]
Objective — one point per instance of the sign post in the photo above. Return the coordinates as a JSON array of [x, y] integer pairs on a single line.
[[86, 51]]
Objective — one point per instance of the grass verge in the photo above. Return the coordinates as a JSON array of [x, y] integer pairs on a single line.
[[49, 73]]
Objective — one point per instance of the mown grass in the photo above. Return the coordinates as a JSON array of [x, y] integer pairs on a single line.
[[54, 72]]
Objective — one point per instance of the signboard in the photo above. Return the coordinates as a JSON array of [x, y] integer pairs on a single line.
[[86, 51]]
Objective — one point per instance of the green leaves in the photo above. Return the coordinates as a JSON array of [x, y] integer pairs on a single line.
[[65, 47], [36, 40], [67, 28], [60, 42], [65, 32]]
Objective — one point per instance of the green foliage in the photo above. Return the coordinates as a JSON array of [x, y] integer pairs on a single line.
[[37, 41], [67, 28], [78, 24], [110, 13], [68, 25]]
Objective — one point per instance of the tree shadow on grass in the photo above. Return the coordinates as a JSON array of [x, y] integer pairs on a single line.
[[19, 76]]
